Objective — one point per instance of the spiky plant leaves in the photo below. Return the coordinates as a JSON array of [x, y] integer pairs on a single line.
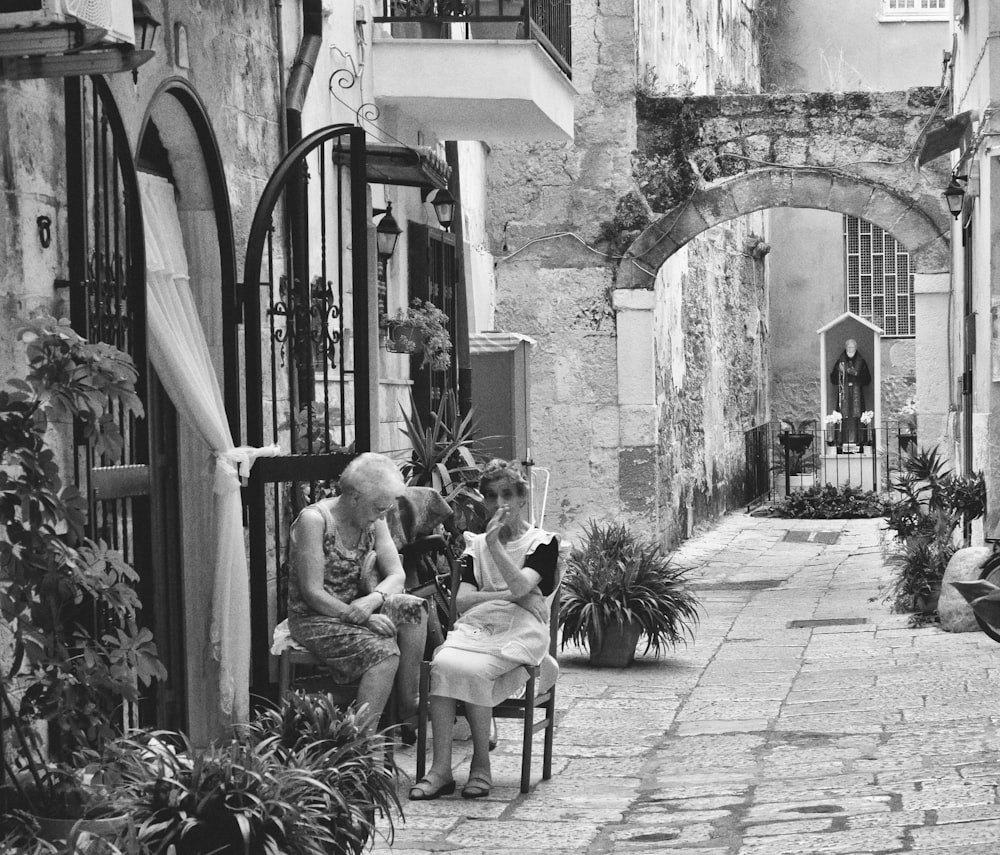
[[616, 577]]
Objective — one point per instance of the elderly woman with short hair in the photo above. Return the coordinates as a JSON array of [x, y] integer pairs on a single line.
[[509, 574], [372, 634]]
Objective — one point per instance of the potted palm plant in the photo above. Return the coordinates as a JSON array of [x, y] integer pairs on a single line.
[[68, 602], [932, 503], [619, 588]]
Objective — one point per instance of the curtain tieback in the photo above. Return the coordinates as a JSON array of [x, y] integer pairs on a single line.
[[232, 467]]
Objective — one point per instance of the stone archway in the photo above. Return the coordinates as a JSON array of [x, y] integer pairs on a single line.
[[702, 161], [924, 233]]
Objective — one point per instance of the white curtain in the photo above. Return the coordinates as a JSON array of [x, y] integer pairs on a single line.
[[179, 353]]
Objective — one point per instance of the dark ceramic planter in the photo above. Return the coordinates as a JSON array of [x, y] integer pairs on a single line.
[[795, 442], [617, 646], [84, 834], [399, 337]]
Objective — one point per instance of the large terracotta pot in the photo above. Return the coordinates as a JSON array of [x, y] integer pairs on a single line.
[[617, 646]]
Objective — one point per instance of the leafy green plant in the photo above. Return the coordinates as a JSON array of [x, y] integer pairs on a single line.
[[68, 601], [929, 492], [828, 502], [932, 502], [616, 577], [422, 328], [919, 568], [303, 778], [444, 456]]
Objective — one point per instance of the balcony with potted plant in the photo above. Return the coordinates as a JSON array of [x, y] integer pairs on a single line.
[[488, 69]]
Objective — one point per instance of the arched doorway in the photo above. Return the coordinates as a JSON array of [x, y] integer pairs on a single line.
[[176, 143]]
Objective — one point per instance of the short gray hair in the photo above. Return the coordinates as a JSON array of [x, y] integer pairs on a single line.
[[369, 473]]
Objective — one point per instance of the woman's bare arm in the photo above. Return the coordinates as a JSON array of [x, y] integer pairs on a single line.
[[307, 560]]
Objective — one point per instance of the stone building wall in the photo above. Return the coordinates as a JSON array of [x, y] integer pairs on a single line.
[[560, 215]]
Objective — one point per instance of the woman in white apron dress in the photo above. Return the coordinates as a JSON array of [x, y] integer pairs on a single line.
[[509, 574]]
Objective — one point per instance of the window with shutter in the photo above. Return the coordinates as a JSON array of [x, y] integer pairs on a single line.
[[434, 277]]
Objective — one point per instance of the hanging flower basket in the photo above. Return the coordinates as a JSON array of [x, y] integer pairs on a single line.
[[421, 328], [403, 337]]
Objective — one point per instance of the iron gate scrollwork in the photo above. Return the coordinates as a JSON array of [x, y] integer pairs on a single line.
[[106, 261], [308, 373]]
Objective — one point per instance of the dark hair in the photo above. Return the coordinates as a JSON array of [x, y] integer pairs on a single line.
[[503, 470]]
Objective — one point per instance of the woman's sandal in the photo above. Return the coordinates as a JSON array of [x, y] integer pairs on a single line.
[[477, 787], [423, 790]]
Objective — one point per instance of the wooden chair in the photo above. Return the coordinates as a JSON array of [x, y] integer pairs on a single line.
[[535, 698]]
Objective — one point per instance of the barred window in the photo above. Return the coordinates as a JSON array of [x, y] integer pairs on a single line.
[[879, 278]]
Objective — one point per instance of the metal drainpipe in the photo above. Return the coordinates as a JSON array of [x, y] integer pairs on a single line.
[[300, 367]]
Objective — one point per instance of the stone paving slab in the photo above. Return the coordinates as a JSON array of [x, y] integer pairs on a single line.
[[755, 738]]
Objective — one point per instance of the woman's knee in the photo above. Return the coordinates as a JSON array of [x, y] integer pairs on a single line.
[[384, 670]]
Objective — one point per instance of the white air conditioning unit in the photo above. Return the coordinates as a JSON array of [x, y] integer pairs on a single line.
[[111, 18]]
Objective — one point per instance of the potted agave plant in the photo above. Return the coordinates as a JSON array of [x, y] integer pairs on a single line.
[[67, 672], [619, 588]]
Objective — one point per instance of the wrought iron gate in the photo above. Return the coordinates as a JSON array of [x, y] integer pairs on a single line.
[[308, 379], [106, 259]]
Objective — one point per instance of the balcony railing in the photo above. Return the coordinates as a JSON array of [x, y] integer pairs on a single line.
[[546, 21]]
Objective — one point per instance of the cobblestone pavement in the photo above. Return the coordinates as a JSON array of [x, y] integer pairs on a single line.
[[850, 732]]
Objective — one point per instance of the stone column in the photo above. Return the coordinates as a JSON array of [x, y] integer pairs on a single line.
[[932, 292], [638, 414]]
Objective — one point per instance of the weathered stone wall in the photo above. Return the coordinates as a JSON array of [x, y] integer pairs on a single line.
[[712, 356], [661, 473], [685, 142]]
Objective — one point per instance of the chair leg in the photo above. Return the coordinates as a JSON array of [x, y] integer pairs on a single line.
[[422, 709], [550, 727], [529, 728], [284, 673]]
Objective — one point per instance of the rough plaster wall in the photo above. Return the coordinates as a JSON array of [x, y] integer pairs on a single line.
[[712, 339], [722, 387], [556, 291], [698, 45], [32, 185]]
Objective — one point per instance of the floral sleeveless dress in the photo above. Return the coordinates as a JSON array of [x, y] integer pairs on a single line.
[[347, 650]]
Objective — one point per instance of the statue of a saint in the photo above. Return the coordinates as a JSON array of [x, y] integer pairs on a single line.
[[850, 375]]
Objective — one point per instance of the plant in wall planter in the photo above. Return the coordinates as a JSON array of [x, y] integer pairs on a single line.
[[421, 328], [620, 588]]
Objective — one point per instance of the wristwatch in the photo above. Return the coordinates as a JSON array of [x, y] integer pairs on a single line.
[[383, 596]]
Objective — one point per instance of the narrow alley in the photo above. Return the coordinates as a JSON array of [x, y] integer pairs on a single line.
[[805, 718]]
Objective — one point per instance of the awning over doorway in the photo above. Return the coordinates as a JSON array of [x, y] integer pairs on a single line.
[[947, 137], [410, 166]]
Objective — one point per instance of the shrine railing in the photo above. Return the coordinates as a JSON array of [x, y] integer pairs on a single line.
[[778, 461]]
